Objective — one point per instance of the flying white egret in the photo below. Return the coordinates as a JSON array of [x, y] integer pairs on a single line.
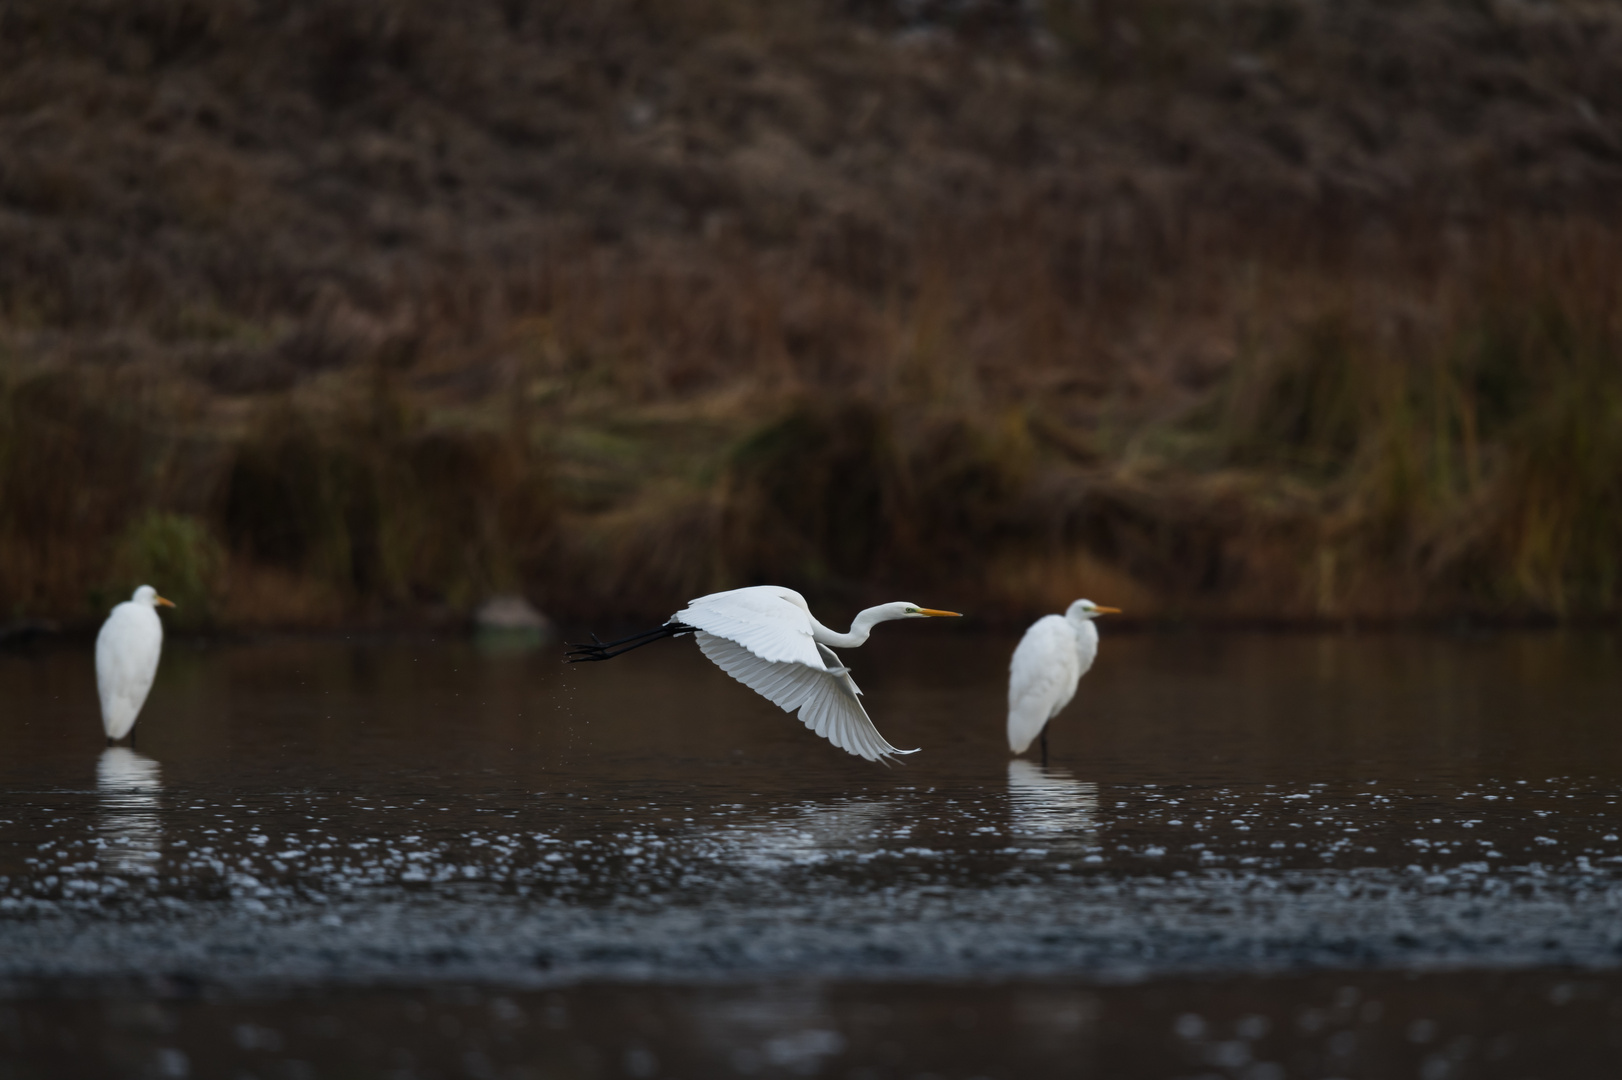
[[127, 659], [1050, 660], [766, 638]]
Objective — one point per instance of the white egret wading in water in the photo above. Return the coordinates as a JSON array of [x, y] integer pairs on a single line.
[[767, 639], [127, 659], [1051, 658]]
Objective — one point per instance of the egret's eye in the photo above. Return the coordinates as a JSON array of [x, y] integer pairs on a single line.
[[913, 611]]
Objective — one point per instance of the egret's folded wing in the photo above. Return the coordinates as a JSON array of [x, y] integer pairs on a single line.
[[825, 701], [760, 620]]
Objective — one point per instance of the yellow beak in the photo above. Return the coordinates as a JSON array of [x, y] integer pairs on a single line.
[[932, 611], [161, 602], [1107, 610]]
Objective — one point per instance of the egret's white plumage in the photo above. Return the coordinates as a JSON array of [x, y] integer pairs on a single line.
[[766, 638], [1048, 663], [127, 651]]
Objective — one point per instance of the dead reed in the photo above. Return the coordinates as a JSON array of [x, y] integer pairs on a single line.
[[1372, 449], [328, 316]]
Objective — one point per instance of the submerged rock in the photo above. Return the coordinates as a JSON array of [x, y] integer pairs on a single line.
[[511, 616]]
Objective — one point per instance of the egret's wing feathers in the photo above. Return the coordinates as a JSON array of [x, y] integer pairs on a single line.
[[836, 666], [763, 620], [1041, 679], [825, 699], [762, 637]]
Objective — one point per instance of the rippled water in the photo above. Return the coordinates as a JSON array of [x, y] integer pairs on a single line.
[[1250, 855]]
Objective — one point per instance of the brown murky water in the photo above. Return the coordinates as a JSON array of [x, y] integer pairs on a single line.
[[1251, 856]]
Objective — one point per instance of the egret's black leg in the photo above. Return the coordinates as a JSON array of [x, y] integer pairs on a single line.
[[607, 650], [109, 740], [1044, 746], [656, 633]]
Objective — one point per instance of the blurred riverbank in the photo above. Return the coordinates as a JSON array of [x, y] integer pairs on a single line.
[[323, 315]]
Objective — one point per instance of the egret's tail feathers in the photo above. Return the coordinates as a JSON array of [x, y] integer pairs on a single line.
[[1024, 725]]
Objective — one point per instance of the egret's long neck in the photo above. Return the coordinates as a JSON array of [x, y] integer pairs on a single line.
[[1086, 637], [860, 628]]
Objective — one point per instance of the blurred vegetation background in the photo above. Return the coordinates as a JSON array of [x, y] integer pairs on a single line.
[[348, 312]]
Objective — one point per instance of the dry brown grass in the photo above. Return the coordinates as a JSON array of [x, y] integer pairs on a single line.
[[333, 313]]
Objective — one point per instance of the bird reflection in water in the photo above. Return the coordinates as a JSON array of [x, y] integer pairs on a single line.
[[132, 834], [1048, 803]]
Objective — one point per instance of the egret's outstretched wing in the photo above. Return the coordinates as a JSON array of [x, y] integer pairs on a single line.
[[1041, 679], [771, 622], [824, 696]]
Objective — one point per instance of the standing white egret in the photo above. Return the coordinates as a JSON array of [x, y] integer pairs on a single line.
[[1050, 660], [766, 638], [127, 652]]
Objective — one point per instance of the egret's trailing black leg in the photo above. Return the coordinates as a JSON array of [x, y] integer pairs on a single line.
[[656, 633], [1044, 746], [607, 650]]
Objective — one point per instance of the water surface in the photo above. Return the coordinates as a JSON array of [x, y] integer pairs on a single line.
[[1233, 831]]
